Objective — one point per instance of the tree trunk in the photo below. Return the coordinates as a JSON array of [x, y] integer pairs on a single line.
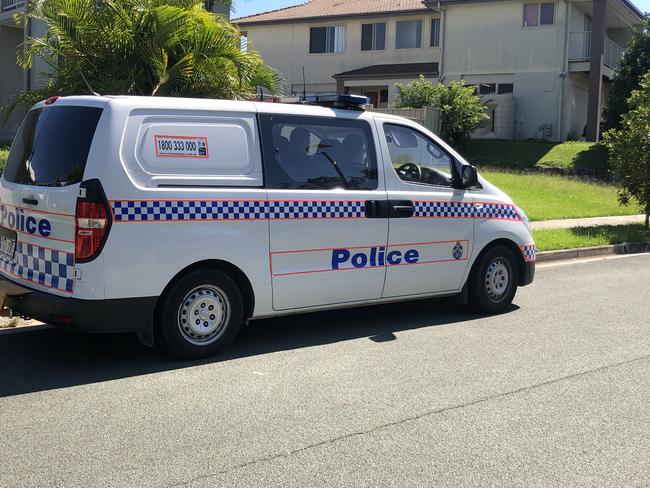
[[647, 215]]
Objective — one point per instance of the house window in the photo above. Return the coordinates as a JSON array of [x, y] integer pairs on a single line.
[[373, 37], [492, 88], [327, 39], [536, 14], [488, 124], [435, 32], [487, 88], [243, 42], [409, 34], [505, 88], [383, 96], [546, 13]]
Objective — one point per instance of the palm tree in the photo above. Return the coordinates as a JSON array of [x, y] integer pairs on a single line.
[[140, 47]]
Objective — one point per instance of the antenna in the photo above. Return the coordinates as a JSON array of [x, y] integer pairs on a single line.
[[90, 88], [304, 84]]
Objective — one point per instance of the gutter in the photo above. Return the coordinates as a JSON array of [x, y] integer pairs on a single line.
[[564, 74], [443, 30], [443, 20]]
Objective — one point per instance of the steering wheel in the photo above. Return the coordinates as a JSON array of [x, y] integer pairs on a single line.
[[410, 172]]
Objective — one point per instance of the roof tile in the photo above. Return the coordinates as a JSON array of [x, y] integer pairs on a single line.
[[332, 8]]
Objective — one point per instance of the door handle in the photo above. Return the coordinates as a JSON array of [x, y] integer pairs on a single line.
[[401, 209], [376, 209], [30, 201]]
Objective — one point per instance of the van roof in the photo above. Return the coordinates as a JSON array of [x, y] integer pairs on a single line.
[[169, 103]]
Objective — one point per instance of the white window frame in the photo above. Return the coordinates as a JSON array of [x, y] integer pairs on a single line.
[[398, 22], [338, 31], [539, 15], [374, 36], [439, 22]]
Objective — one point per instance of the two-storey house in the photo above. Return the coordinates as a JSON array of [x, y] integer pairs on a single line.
[[541, 68]]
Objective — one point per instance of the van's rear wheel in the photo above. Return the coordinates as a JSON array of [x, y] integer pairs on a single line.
[[493, 282], [201, 314]]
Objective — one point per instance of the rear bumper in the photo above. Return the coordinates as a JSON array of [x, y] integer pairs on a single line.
[[527, 274], [111, 315]]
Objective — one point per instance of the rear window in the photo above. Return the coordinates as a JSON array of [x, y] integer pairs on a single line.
[[51, 147]]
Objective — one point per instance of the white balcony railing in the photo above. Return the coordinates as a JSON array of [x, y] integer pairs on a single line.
[[613, 53], [580, 49], [11, 4]]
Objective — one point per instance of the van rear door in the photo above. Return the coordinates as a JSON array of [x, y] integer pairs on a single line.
[[38, 194]]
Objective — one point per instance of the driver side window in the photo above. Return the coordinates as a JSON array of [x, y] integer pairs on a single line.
[[416, 158]]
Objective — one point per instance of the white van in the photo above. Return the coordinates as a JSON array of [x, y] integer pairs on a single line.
[[181, 219]]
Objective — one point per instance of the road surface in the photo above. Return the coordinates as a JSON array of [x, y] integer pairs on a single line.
[[554, 393]]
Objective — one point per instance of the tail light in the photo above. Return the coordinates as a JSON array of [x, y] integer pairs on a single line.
[[92, 222]]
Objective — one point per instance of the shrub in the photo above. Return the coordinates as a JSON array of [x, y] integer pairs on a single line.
[[634, 64], [629, 149], [4, 154], [139, 47], [461, 109]]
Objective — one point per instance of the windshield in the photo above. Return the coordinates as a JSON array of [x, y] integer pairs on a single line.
[[52, 145]]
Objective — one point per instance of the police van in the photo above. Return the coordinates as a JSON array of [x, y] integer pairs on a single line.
[[181, 219]]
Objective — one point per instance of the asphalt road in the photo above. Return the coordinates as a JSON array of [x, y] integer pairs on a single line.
[[554, 393]]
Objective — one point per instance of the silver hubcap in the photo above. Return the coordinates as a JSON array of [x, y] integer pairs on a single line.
[[203, 315], [497, 279]]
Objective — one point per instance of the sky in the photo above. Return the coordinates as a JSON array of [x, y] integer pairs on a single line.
[[248, 7]]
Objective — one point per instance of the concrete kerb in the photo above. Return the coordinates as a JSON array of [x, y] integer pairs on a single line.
[[585, 252]]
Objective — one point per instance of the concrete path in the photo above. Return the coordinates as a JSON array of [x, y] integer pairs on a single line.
[[589, 222]]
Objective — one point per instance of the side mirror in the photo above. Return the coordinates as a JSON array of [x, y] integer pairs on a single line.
[[469, 178]]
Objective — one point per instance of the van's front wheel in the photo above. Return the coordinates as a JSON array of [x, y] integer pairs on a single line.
[[493, 282], [201, 315]]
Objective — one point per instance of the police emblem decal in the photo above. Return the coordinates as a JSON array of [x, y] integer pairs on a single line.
[[457, 252]]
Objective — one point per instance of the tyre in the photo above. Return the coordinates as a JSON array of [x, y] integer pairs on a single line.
[[493, 282], [201, 315]]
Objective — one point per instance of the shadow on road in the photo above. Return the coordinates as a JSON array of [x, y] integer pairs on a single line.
[[45, 358]]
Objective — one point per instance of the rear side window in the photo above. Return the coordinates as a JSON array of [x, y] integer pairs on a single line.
[[51, 147], [318, 153]]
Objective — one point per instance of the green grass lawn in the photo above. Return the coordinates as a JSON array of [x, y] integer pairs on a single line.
[[536, 154], [508, 154], [575, 156], [546, 197], [553, 239]]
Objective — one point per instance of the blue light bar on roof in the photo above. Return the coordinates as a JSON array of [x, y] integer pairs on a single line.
[[350, 102], [338, 99]]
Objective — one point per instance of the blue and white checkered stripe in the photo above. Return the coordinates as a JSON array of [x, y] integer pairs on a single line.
[[316, 210], [496, 211], [444, 210], [172, 210], [46, 267], [169, 210], [187, 210], [529, 251], [451, 210]]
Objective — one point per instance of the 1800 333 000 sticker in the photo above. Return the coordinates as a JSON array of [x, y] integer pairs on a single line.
[[181, 146]]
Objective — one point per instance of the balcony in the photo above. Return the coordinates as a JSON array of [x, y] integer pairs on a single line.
[[11, 4], [580, 49]]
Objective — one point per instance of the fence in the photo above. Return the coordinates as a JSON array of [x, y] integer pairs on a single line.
[[11, 4], [428, 117]]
